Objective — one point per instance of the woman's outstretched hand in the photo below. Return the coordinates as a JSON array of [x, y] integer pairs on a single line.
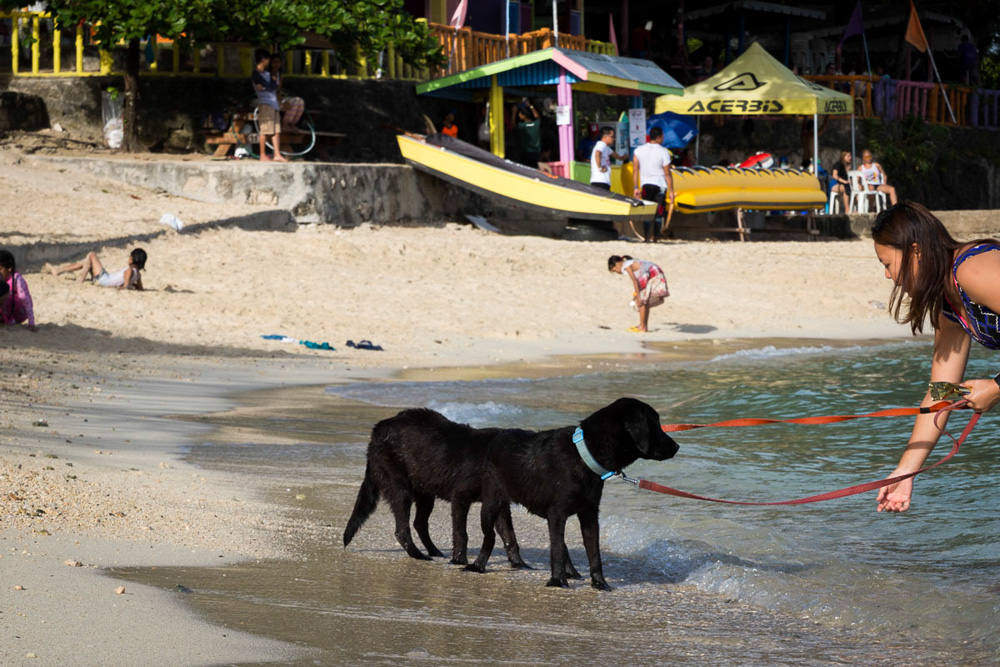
[[895, 497], [984, 395]]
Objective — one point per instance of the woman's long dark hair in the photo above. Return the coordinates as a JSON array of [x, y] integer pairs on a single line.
[[922, 238]]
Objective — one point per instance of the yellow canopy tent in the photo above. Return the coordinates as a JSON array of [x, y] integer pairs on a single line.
[[757, 84]]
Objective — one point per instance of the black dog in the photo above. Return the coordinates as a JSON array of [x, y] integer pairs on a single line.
[[420, 455], [545, 472]]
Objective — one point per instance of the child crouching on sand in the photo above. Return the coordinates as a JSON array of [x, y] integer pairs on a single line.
[[15, 305], [127, 278], [649, 285]]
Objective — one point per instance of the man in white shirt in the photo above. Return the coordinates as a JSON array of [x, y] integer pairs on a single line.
[[600, 159], [653, 180]]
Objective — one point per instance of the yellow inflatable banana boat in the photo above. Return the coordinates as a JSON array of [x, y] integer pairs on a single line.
[[703, 189]]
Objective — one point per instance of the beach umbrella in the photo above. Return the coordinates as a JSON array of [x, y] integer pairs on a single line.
[[678, 130]]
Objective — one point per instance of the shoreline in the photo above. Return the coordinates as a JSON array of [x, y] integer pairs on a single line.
[[121, 495], [446, 301]]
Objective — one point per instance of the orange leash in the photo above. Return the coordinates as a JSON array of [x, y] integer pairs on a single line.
[[829, 419], [939, 408]]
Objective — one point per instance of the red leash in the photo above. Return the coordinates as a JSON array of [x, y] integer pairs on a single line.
[[939, 408]]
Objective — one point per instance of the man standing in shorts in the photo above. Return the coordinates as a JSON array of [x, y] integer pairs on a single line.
[[268, 108], [651, 170], [600, 159]]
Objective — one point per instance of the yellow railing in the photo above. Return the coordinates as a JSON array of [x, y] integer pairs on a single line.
[[463, 48]]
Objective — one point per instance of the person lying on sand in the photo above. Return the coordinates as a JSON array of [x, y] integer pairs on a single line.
[[127, 278]]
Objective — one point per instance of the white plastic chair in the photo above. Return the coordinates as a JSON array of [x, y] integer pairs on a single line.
[[860, 194], [834, 204]]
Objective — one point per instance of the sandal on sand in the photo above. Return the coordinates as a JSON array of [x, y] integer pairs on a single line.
[[364, 345], [635, 330]]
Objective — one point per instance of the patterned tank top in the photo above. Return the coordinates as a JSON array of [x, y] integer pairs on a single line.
[[980, 322]]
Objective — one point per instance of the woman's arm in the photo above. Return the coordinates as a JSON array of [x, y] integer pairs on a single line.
[[951, 353], [881, 171], [635, 280]]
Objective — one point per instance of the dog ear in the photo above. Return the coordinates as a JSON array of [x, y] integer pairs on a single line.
[[637, 426]]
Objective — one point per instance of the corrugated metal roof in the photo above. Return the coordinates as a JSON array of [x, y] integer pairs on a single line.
[[620, 67], [542, 68]]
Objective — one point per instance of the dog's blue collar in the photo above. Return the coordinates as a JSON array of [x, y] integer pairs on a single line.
[[588, 458]]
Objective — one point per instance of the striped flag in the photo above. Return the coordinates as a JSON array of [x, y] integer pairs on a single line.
[[458, 18]]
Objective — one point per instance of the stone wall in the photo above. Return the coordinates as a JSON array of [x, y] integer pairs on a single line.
[[341, 194]]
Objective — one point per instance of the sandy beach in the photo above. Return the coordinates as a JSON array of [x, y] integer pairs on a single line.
[[90, 474]]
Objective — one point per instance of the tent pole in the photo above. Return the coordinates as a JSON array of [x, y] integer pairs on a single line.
[[853, 146], [697, 140], [815, 164]]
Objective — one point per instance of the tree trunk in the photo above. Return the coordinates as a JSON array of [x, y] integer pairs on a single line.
[[130, 110]]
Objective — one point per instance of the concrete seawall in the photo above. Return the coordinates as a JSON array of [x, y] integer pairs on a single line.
[[345, 195]]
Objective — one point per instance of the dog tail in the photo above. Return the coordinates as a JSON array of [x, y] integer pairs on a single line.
[[368, 496]]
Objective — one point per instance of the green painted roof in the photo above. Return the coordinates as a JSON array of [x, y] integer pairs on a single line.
[[538, 68]]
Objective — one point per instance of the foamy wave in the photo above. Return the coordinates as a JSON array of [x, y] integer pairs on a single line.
[[770, 351], [477, 414]]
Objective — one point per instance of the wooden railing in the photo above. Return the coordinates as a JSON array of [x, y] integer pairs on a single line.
[[466, 48], [889, 99], [858, 87]]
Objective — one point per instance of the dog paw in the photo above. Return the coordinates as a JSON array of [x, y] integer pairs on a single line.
[[418, 555], [459, 561], [520, 565], [557, 583], [600, 584], [436, 553], [475, 568]]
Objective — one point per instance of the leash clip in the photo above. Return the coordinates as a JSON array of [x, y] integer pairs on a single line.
[[626, 478]]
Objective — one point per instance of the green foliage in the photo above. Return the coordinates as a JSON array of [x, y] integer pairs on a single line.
[[908, 145], [279, 24]]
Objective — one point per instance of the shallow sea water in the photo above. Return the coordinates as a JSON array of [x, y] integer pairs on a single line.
[[696, 582]]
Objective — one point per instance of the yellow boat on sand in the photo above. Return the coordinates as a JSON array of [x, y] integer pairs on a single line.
[[482, 172], [704, 189]]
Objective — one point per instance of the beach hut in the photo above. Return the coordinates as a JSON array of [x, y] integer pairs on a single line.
[[756, 84], [564, 69]]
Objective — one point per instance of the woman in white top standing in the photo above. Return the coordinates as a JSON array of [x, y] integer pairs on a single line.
[[874, 177]]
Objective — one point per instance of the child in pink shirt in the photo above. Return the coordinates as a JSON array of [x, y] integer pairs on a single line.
[[17, 309]]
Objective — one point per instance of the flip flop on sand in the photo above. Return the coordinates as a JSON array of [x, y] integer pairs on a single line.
[[364, 345], [635, 330]]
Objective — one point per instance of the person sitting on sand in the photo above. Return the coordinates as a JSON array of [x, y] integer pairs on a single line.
[[649, 285], [874, 178], [954, 285], [127, 278], [16, 307]]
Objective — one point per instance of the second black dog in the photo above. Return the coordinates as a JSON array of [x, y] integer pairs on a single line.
[[420, 455], [544, 471]]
